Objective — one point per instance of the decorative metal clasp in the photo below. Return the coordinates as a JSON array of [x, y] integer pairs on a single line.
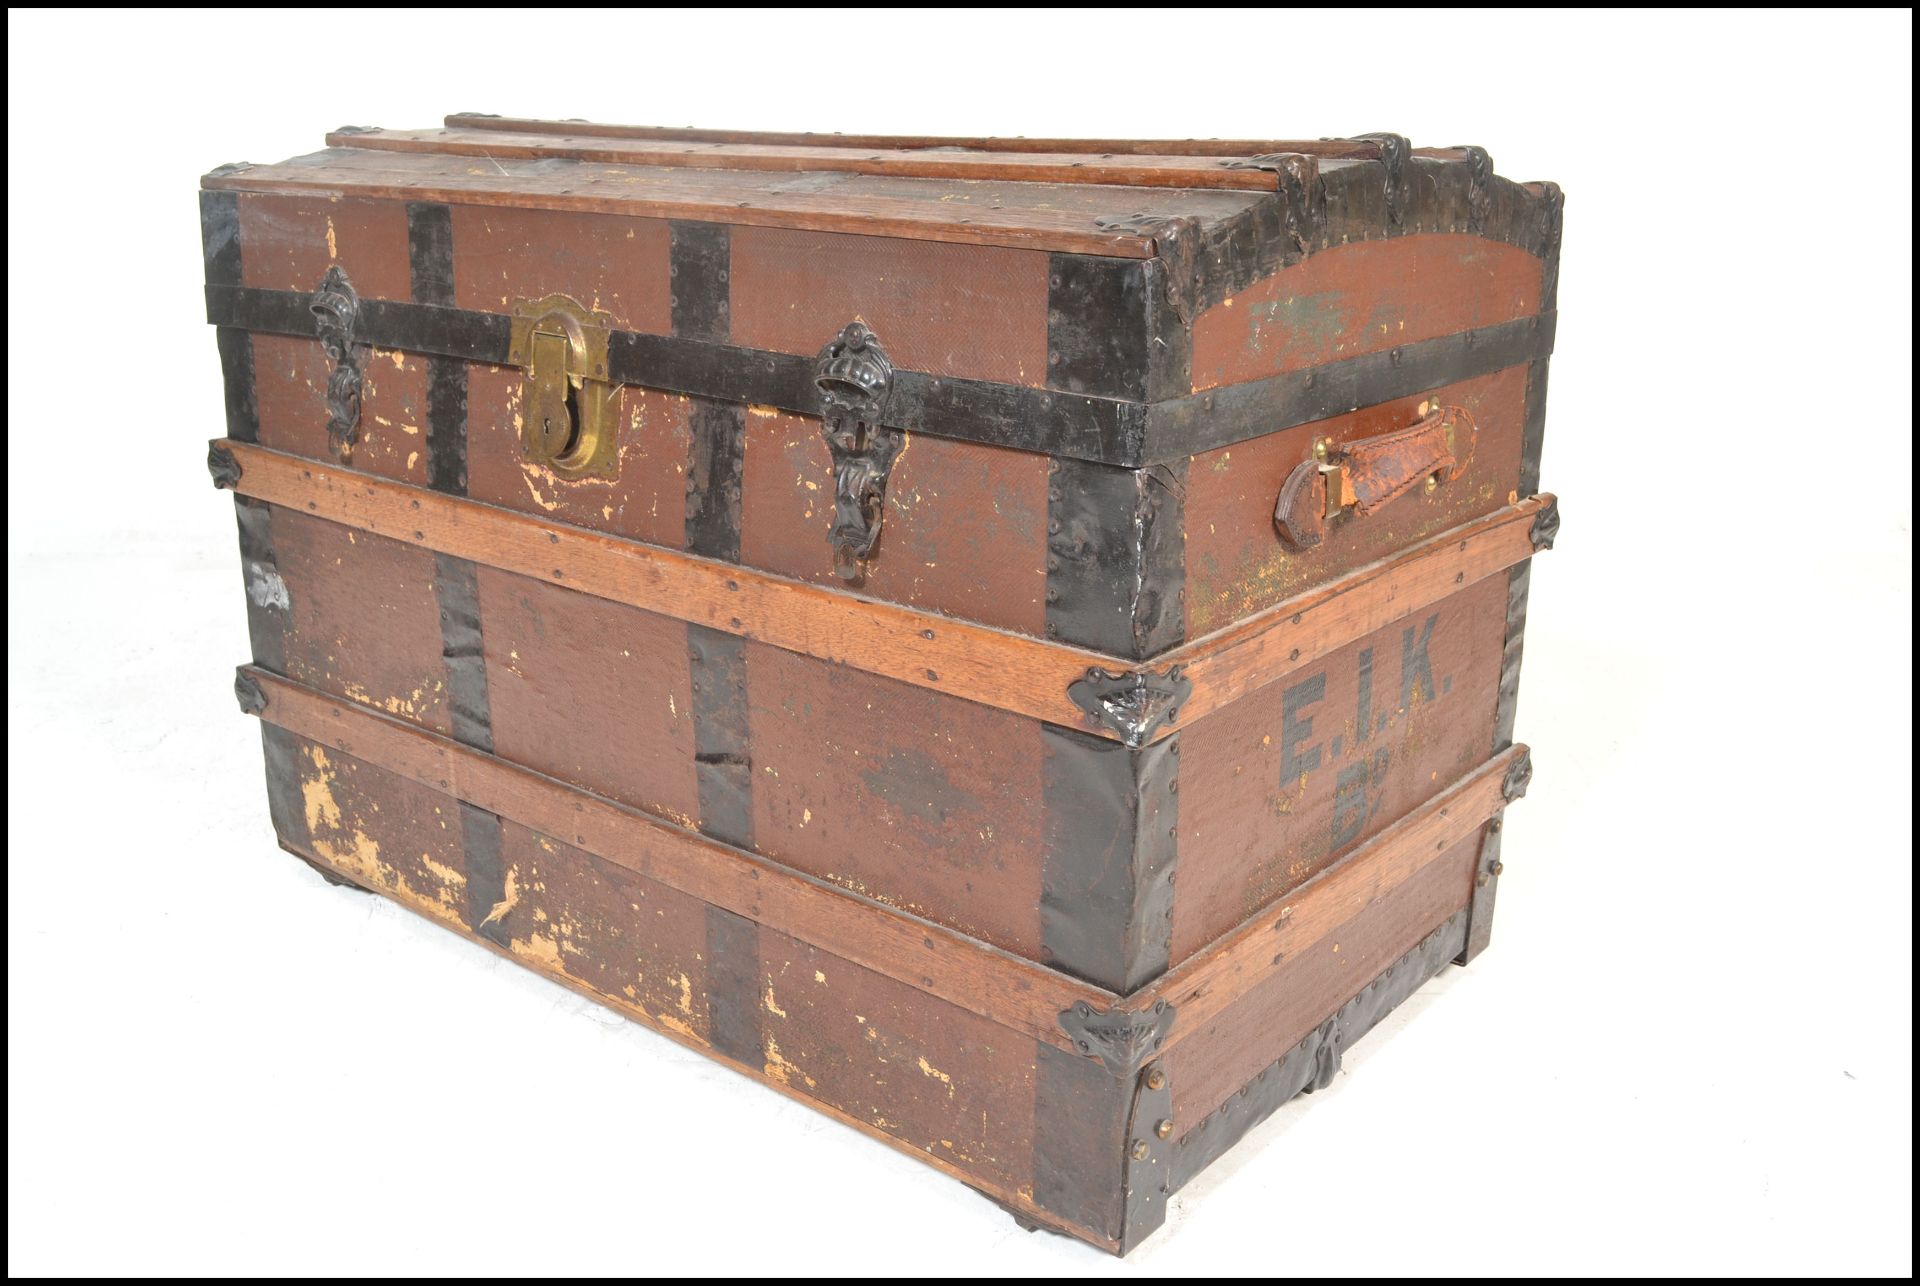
[[1134, 703], [1176, 244], [1546, 525], [568, 420], [1519, 776], [855, 380], [1395, 155], [336, 308], [1123, 1039]]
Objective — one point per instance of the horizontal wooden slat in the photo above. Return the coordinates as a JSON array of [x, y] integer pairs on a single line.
[[1034, 216], [1077, 167], [1331, 147], [1229, 663], [1016, 993], [1025, 675], [1212, 980]]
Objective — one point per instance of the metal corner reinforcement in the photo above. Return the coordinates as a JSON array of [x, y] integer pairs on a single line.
[[1123, 1039]]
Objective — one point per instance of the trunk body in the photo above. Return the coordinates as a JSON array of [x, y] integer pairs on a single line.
[[1046, 618]]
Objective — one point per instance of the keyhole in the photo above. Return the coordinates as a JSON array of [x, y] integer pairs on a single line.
[[562, 439]]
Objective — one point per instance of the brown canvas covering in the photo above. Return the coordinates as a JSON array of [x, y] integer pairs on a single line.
[[1013, 643]]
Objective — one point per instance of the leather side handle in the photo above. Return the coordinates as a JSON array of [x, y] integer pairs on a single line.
[[1365, 475]]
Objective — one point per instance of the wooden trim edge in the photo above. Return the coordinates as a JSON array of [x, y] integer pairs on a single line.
[[1211, 980], [1014, 672]]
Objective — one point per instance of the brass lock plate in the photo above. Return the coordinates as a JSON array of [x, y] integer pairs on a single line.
[[569, 410]]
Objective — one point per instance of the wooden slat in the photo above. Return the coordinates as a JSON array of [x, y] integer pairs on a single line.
[[1086, 168], [1229, 663], [1331, 147], [1026, 675], [1015, 672], [924, 208], [1016, 993], [1213, 979]]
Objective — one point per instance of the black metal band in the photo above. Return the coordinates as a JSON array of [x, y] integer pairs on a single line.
[[269, 603], [456, 588], [1069, 425], [700, 265], [1122, 433], [430, 252], [733, 988], [286, 803], [236, 377], [1079, 1120], [1313, 1062], [430, 264], [220, 237], [716, 476], [723, 762], [1486, 888], [1116, 557], [1534, 438], [1520, 577], [1221, 417], [220, 248], [701, 271], [480, 841], [1106, 900], [384, 323], [1519, 580], [1098, 339], [447, 425]]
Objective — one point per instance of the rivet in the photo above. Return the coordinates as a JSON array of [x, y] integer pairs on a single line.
[[1156, 1079], [1498, 867], [1482, 880], [1433, 483], [1164, 1129], [1320, 448], [1140, 1150]]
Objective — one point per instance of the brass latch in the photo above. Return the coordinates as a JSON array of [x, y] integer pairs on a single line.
[[569, 410]]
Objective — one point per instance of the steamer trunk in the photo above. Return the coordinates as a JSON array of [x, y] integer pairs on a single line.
[[1015, 644]]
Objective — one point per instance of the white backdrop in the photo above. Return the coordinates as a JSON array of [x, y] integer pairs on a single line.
[[1688, 1051]]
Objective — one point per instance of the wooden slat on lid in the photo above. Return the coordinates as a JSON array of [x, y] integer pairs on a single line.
[[1041, 216], [1114, 170], [1360, 149]]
